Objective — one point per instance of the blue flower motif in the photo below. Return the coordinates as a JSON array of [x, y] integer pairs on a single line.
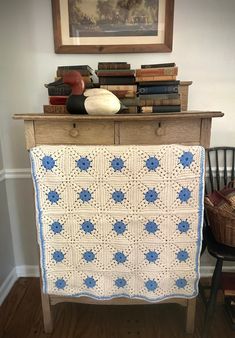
[[151, 227], [120, 282], [119, 227], [85, 195], [56, 227], [184, 195], [120, 257], [89, 256], [60, 283], [53, 196], [181, 283], [151, 195], [186, 159], [118, 196], [182, 255], [83, 163], [151, 285], [117, 164], [90, 282], [58, 256], [152, 163], [151, 256], [87, 226], [183, 226], [48, 162]]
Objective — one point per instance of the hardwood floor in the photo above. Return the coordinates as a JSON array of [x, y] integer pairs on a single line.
[[21, 317]]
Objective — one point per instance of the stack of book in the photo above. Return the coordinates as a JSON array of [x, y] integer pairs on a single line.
[[58, 92], [158, 88], [119, 78]]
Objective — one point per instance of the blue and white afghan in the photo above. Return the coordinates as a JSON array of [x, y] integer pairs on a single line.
[[119, 221]]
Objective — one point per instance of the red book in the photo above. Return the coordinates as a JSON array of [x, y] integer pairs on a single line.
[[58, 100]]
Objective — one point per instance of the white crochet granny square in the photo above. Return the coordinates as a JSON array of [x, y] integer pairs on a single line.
[[119, 221]]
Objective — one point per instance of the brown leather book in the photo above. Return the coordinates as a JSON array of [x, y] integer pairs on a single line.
[[118, 72], [160, 102], [113, 65], [157, 71], [155, 78], [121, 94], [55, 109], [83, 69], [120, 87], [111, 80], [159, 65], [160, 109]]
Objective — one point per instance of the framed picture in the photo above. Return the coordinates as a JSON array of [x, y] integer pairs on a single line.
[[112, 26]]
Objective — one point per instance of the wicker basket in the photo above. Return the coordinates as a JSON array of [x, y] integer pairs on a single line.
[[222, 223], [220, 206]]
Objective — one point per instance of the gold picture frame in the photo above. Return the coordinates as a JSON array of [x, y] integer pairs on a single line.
[[113, 26]]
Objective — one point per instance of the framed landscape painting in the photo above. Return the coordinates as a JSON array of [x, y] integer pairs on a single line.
[[112, 26]]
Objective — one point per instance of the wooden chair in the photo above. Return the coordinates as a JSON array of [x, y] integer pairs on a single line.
[[219, 159]]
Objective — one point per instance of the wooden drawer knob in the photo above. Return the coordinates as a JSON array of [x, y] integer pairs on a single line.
[[159, 130], [73, 132]]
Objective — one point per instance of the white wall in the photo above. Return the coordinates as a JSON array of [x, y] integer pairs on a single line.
[[1, 160], [7, 261], [203, 49], [22, 218]]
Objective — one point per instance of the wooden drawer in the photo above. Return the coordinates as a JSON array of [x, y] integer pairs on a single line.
[[87, 132], [162, 132]]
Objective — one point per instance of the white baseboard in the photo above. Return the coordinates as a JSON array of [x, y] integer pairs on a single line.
[[16, 272], [17, 173], [2, 175], [6, 286], [27, 271], [207, 271], [6, 174], [33, 271]]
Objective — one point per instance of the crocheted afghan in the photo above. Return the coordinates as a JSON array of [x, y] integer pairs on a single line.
[[119, 221]]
